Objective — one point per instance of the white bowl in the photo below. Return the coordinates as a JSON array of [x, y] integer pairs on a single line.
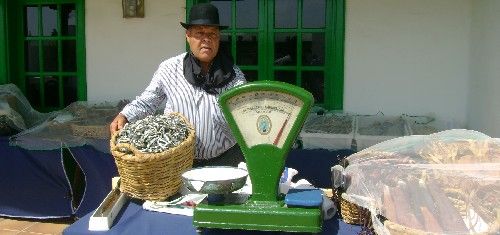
[[215, 180]]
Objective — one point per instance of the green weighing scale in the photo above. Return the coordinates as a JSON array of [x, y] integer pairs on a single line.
[[265, 118]]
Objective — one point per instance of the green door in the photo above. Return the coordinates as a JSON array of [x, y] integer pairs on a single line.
[[296, 41], [47, 51]]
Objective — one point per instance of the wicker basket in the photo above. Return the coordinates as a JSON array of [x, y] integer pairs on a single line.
[[91, 131], [153, 176], [350, 212]]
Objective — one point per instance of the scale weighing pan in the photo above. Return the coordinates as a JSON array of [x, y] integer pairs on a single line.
[[214, 180], [265, 117]]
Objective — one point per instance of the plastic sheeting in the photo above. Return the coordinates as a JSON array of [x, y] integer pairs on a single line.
[[444, 183], [16, 113], [80, 123]]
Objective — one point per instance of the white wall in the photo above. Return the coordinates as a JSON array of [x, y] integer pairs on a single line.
[[401, 56], [408, 56], [484, 102], [122, 54]]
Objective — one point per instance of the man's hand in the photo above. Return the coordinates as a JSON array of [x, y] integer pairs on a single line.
[[117, 123]]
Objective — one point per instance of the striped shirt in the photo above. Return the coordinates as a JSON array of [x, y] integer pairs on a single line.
[[213, 135]]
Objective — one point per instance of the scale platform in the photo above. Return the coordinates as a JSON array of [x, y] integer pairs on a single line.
[[258, 215], [265, 117]]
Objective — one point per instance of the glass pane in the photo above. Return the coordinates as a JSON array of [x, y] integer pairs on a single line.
[[225, 43], [68, 19], [314, 82], [31, 20], [313, 14], [69, 90], [51, 91], [224, 7], [313, 48], [251, 75], [247, 14], [286, 76], [247, 49], [285, 14], [31, 60], [50, 55], [285, 49], [49, 20], [69, 55], [33, 90]]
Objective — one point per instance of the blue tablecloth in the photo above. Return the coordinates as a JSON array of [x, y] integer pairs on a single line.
[[134, 220], [313, 165]]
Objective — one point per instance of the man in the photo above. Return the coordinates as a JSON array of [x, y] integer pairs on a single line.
[[191, 83]]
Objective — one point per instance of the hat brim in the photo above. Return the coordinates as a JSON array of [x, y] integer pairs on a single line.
[[186, 26]]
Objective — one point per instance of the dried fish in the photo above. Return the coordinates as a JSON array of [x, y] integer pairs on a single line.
[[329, 124], [155, 134]]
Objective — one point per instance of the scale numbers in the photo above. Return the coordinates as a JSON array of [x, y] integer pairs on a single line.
[[264, 117]]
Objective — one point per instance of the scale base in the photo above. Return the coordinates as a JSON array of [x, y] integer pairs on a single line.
[[262, 216]]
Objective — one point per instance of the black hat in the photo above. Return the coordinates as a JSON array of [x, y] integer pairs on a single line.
[[203, 14]]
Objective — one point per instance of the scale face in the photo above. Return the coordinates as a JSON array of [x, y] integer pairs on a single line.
[[266, 113], [264, 117]]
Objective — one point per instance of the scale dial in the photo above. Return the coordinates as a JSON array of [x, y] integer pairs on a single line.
[[264, 117]]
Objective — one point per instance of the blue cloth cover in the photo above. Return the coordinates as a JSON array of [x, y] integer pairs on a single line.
[[33, 184]]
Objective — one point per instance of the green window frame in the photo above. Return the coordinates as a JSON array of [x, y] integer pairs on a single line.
[[58, 73], [331, 68], [4, 63]]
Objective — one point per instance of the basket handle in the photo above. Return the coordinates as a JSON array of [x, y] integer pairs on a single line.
[[119, 147]]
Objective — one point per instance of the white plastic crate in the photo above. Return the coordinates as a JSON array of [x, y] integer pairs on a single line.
[[425, 125], [330, 131], [371, 130]]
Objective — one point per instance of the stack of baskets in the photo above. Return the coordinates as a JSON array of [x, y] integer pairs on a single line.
[[153, 176]]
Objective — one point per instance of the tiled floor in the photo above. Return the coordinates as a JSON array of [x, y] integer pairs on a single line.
[[10, 226]]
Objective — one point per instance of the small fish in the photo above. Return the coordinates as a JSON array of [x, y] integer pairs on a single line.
[[155, 134]]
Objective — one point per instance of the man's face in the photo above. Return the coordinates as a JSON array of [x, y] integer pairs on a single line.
[[203, 41]]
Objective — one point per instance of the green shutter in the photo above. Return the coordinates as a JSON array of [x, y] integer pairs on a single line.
[[49, 63], [3, 45], [302, 71]]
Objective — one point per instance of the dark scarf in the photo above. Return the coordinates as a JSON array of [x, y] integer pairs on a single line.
[[221, 72]]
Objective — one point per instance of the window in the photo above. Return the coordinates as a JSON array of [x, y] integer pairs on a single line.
[[294, 41], [47, 60], [3, 46]]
